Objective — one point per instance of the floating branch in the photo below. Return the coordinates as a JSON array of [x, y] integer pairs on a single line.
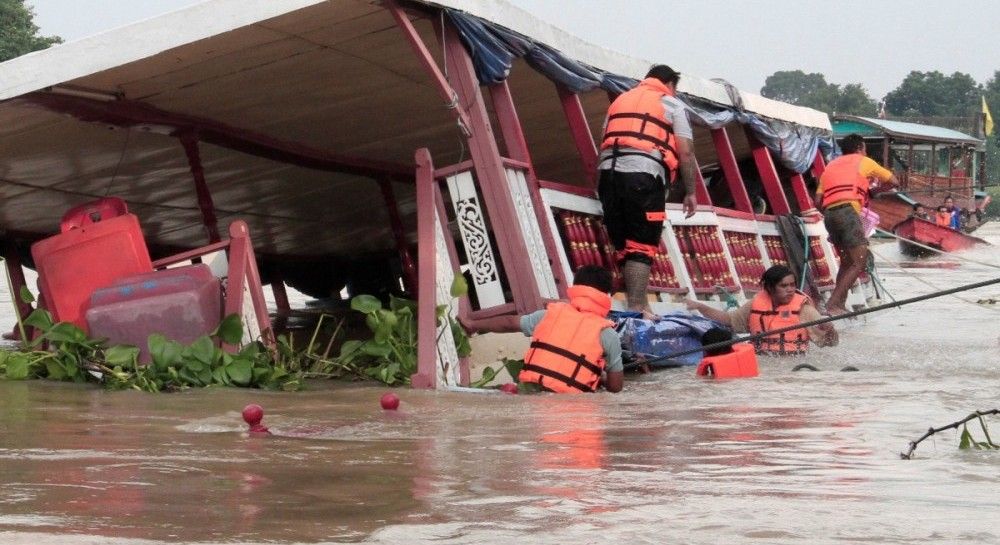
[[966, 441]]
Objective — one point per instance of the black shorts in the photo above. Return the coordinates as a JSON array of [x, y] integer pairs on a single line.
[[633, 205]]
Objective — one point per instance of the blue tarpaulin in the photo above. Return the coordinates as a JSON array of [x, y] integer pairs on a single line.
[[494, 48]]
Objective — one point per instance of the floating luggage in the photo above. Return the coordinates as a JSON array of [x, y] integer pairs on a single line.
[[182, 304], [99, 242], [649, 340]]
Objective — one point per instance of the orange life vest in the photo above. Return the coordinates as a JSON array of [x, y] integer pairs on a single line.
[[764, 316], [741, 362], [943, 219], [637, 120], [842, 181], [565, 354]]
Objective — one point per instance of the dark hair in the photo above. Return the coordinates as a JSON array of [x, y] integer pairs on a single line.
[[852, 143], [917, 205], [596, 277], [717, 335], [950, 197], [664, 73], [773, 276]]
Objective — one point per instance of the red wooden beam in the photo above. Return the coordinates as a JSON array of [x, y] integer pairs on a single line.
[[491, 176], [768, 175], [802, 194], [517, 149], [700, 191], [819, 165], [190, 142], [731, 170], [444, 89], [576, 118], [399, 233], [126, 113], [426, 375]]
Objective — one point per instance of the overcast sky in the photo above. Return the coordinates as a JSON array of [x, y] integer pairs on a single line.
[[872, 42]]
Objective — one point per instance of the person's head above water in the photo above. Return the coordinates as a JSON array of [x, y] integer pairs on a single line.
[[595, 277], [779, 283]]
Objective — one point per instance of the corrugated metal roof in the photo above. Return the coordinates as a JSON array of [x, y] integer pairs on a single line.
[[842, 126]]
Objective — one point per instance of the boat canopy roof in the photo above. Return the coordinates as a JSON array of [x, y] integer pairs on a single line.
[[867, 126], [298, 106]]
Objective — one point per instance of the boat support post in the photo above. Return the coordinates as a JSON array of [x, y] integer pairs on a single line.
[[576, 118], [517, 149], [399, 233], [768, 175], [189, 139], [731, 170]]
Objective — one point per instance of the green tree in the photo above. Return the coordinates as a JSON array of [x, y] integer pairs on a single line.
[[934, 94], [813, 91], [18, 31]]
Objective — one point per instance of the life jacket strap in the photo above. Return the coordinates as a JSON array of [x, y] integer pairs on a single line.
[[569, 381], [575, 358]]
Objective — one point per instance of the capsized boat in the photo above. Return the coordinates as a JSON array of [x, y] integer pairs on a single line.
[[357, 138]]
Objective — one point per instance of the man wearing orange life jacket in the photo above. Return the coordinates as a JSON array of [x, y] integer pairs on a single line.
[[842, 190], [646, 144], [777, 306], [574, 347]]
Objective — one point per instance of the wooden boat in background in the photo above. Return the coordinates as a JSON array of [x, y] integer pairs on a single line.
[[931, 163], [931, 234]]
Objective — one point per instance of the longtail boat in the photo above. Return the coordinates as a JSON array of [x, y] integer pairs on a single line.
[[359, 139], [933, 235]]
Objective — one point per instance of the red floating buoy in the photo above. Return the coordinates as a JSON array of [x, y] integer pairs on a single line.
[[390, 401], [509, 388], [252, 415]]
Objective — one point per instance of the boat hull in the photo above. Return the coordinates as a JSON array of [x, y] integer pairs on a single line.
[[930, 234]]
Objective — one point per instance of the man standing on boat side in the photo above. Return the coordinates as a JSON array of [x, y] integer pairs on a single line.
[[776, 306], [842, 190], [647, 141]]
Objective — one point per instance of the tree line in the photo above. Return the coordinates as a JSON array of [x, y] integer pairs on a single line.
[[921, 94]]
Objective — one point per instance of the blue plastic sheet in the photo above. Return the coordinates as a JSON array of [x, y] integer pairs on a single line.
[[494, 48], [648, 339]]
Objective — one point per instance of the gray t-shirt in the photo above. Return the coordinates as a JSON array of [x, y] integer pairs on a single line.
[[675, 113], [610, 342]]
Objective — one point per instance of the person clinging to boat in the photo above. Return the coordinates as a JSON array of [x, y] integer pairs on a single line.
[[776, 306], [842, 191], [574, 347], [647, 145]]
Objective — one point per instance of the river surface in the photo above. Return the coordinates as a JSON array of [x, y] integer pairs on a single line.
[[789, 457]]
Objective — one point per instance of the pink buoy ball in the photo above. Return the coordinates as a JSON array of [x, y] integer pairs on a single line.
[[509, 388], [253, 414], [390, 401]]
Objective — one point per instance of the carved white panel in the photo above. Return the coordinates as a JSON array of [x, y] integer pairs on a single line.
[[447, 356], [476, 240], [532, 234]]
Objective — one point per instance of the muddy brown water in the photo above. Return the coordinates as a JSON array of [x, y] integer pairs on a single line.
[[804, 457]]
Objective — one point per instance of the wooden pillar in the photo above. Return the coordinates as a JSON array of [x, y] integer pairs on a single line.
[[731, 170], [279, 291], [426, 375], [576, 118], [399, 233], [190, 142], [491, 176], [768, 175], [517, 149], [802, 196]]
